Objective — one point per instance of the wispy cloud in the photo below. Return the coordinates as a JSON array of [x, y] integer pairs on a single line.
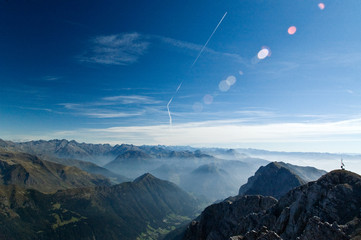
[[257, 113], [131, 99], [117, 49], [127, 48], [196, 48], [113, 106], [92, 111], [96, 114]]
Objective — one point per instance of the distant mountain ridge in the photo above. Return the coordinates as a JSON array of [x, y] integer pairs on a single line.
[[40, 148]]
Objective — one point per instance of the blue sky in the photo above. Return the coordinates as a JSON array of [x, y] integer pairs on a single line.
[[104, 71]]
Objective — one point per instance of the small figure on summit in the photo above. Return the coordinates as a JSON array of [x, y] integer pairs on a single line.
[[342, 165]]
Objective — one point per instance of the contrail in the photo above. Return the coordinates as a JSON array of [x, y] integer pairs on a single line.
[[169, 113], [199, 54]]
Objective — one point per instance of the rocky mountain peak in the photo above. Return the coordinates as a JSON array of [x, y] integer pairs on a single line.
[[147, 177], [271, 180], [326, 209]]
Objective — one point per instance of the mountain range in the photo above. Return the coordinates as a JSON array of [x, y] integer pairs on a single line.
[[186, 167], [46, 194]]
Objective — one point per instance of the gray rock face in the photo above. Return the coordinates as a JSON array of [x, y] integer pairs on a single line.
[[277, 178], [335, 197], [327, 209], [316, 229], [220, 221]]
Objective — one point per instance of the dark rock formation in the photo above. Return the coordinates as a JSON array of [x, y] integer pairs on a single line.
[[277, 178], [220, 221], [328, 208]]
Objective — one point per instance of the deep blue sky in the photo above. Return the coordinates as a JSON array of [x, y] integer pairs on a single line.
[[104, 71]]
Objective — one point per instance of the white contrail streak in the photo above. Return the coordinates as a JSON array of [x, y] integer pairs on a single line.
[[170, 115], [199, 54], [204, 46], [179, 86]]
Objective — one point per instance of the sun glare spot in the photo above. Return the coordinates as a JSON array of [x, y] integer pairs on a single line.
[[263, 53], [321, 6], [240, 73], [208, 99], [292, 30]]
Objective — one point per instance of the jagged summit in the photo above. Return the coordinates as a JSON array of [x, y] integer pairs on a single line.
[[145, 178], [271, 180], [134, 154], [326, 209]]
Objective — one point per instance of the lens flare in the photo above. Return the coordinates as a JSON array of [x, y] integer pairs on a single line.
[[223, 86], [231, 80], [208, 99], [292, 30], [263, 53], [241, 73], [321, 6]]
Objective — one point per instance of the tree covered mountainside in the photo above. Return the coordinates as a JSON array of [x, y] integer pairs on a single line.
[[140, 209]]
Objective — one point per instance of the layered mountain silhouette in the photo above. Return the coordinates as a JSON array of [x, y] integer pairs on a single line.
[[124, 162], [326, 209], [142, 208], [277, 178]]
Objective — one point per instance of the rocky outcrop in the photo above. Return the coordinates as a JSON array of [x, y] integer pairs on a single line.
[[327, 209], [272, 180], [220, 221], [315, 229], [277, 178]]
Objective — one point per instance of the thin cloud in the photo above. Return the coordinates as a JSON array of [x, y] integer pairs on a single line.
[[112, 114], [117, 49], [127, 48], [131, 99], [196, 47], [113, 106]]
